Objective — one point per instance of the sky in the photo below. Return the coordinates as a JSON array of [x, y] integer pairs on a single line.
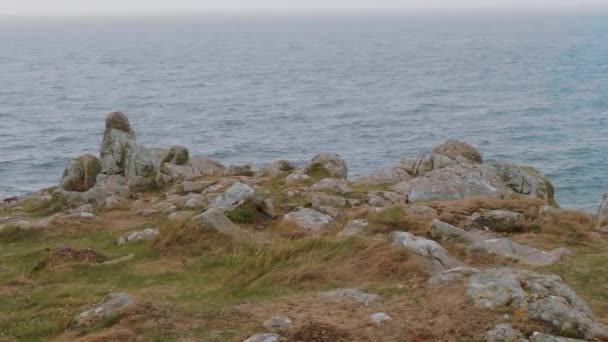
[[63, 7]]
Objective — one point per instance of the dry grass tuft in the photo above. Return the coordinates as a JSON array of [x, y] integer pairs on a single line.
[[393, 218]]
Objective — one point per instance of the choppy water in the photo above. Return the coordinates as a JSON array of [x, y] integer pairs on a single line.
[[528, 89]]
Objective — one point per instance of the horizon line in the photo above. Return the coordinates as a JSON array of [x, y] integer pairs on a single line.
[[530, 9]]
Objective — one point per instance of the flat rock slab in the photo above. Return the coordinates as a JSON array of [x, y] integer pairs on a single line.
[[112, 305], [499, 246], [145, 234], [426, 248]]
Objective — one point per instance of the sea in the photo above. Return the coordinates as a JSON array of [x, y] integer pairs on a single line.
[[529, 88]]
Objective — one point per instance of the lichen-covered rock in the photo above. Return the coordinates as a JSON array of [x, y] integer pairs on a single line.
[[106, 186], [354, 295], [540, 337], [177, 155], [426, 248], [207, 167], [244, 169], [120, 154], [271, 337], [322, 199], [526, 180], [458, 151], [504, 333], [355, 227], [539, 297], [382, 199], [499, 246], [80, 174], [452, 276], [330, 162], [145, 234], [308, 220], [453, 183], [215, 219], [113, 304], [389, 175], [197, 186], [498, 220], [602, 214], [179, 173], [277, 323], [337, 185], [234, 195]]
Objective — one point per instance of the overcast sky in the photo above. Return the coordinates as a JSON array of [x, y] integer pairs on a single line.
[[116, 6]]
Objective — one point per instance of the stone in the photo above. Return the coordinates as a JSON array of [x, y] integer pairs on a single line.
[[194, 203], [543, 298], [277, 323], [384, 176], [526, 180], [426, 248], [115, 203], [380, 317], [276, 169], [244, 169], [353, 295], [106, 186], [177, 155], [113, 304], [453, 183], [180, 173], [197, 186], [498, 220], [496, 288], [540, 337], [504, 332], [215, 219], [354, 227], [263, 338], [382, 199], [458, 151], [602, 213], [145, 234], [337, 185], [331, 162], [335, 213], [499, 246], [80, 174], [237, 193], [207, 167], [322, 199], [309, 220], [119, 152], [452, 276]]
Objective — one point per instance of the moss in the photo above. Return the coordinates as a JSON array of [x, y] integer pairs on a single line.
[[244, 213], [15, 234], [317, 171]]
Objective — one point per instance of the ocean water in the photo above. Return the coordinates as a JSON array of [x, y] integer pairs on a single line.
[[530, 89]]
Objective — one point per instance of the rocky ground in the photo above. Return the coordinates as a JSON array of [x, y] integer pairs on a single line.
[[141, 244]]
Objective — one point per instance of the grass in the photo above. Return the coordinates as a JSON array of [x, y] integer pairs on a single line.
[[392, 219]]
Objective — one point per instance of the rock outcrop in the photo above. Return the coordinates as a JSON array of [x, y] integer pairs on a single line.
[[113, 305], [80, 174], [539, 297], [439, 257], [308, 220], [496, 245], [526, 180], [453, 183]]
